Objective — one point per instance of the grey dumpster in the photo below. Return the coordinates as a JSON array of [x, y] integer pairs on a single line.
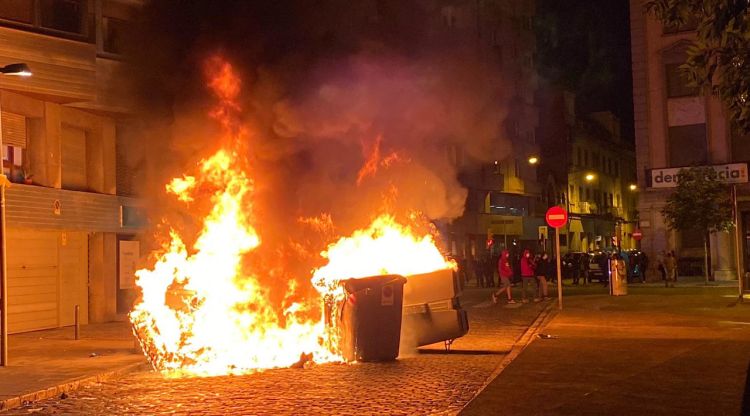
[[370, 320]]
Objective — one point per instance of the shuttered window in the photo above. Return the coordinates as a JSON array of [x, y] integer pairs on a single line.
[[14, 130]]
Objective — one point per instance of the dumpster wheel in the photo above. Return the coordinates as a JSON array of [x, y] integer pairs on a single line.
[[448, 344]]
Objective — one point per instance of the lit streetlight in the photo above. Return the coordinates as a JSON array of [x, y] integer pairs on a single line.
[[21, 70], [533, 160], [590, 177], [633, 187]]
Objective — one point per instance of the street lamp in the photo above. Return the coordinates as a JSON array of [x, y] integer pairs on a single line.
[[589, 177], [533, 160], [633, 187], [22, 70]]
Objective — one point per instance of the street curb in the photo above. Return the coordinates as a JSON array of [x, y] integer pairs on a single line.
[[544, 317], [70, 385]]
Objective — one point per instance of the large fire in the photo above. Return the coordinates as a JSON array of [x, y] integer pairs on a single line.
[[204, 312]]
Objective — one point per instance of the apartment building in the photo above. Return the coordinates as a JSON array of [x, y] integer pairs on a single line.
[[71, 212], [677, 126]]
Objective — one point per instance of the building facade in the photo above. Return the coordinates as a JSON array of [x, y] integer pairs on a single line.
[[601, 186], [676, 126], [503, 203], [65, 130]]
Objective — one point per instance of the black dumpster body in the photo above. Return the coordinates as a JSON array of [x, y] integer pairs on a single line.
[[370, 318]]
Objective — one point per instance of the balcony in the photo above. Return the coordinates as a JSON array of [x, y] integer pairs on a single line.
[[30, 206]]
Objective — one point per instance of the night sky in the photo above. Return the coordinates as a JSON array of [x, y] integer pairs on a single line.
[[584, 46]]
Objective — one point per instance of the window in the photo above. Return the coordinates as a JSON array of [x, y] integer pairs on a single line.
[[516, 168], [619, 202], [580, 193], [578, 157], [677, 83], [586, 158], [588, 194], [740, 147], [455, 156], [14, 146], [64, 15], [690, 25], [114, 32], [572, 191], [17, 10], [687, 145]]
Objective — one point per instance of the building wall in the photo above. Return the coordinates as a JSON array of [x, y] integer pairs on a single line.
[[501, 33], [70, 110], [660, 113], [598, 150]]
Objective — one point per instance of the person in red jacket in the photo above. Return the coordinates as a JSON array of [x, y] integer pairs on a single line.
[[528, 275], [506, 273]]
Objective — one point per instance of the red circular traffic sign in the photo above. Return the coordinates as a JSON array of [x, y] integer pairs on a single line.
[[556, 217], [637, 235]]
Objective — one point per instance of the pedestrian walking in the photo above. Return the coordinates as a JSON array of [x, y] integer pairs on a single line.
[[670, 265], [644, 266], [676, 269], [543, 272], [505, 273], [528, 275]]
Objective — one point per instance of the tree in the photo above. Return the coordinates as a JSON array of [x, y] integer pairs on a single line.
[[700, 202], [719, 59]]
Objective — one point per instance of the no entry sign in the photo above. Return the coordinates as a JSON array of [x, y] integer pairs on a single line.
[[637, 235], [556, 217]]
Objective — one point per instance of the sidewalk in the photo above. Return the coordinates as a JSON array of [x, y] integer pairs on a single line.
[[47, 363], [656, 351]]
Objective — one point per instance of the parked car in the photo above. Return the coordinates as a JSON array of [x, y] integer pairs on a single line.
[[599, 267]]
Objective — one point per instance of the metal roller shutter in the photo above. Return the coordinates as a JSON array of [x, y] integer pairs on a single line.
[[14, 129], [47, 277], [33, 280]]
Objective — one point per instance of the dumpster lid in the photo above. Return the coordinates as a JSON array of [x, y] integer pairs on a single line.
[[357, 284]]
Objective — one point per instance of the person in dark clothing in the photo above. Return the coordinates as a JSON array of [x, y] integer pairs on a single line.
[[575, 269], [489, 270], [584, 266], [543, 268], [644, 266]]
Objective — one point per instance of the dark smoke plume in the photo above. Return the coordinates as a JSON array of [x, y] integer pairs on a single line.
[[325, 83]]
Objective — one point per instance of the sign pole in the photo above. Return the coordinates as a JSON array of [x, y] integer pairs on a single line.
[[737, 247], [559, 272]]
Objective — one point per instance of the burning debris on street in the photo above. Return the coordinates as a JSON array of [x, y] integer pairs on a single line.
[[204, 308]]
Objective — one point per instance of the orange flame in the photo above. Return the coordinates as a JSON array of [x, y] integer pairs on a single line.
[[204, 311], [385, 247], [374, 160]]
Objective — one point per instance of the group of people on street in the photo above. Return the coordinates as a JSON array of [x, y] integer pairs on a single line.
[[536, 269]]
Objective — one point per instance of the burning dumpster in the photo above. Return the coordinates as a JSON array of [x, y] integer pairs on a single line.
[[370, 318], [432, 311]]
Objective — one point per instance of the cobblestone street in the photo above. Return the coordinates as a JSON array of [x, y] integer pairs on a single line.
[[428, 382]]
